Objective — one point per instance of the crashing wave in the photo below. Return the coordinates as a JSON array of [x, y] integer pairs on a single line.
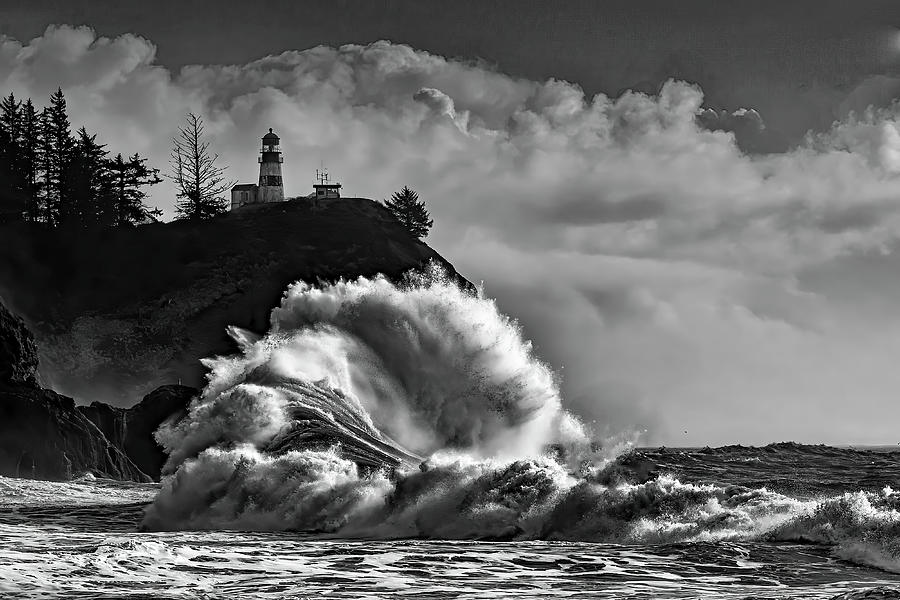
[[353, 385], [418, 410]]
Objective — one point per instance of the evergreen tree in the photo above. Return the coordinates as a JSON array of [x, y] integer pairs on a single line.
[[128, 177], [12, 194], [88, 185], [29, 154], [56, 151], [11, 119], [49, 175], [199, 181], [410, 212]]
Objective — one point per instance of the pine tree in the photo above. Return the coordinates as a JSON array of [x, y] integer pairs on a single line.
[[11, 119], [56, 151], [410, 212], [88, 184], [128, 177], [199, 181], [12, 193], [29, 153], [48, 175]]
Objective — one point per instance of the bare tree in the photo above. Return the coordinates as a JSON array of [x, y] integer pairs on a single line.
[[199, 181]]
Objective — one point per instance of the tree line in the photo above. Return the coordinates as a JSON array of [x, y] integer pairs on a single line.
[[55, 177], [50, 175], [200, 182]]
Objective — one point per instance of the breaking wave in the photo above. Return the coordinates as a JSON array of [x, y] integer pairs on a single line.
[[374, 409], [354, 385]]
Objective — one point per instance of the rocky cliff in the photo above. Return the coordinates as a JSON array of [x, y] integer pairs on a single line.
[[18, 352], [42, 434], [132, 429], [118, 313]]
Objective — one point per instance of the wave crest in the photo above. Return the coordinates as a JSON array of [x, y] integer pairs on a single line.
[[418, 410], [373, 374]]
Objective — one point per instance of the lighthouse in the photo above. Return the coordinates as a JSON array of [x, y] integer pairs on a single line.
[[271, 188]]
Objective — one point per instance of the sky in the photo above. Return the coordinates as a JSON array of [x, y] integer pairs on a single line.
[[693, 212]]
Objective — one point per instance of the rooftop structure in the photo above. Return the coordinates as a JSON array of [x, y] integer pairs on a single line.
[[325, 188]]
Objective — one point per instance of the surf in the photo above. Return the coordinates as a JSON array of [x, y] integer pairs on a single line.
[[374, 409], [357, 384]]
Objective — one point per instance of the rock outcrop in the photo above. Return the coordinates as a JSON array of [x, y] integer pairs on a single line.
[[117, 313], [18, 352], [131, 429], [42, 434], [120, 312]]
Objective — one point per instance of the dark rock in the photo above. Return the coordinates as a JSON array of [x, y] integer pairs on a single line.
[[43, 436], [119, 312], [131, 429], [110, 420], [18, 352]]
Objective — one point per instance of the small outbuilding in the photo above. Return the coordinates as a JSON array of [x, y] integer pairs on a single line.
[[325, 188], [242, 194]]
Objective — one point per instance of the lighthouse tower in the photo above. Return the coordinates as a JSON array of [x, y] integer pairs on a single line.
[[271, 188]]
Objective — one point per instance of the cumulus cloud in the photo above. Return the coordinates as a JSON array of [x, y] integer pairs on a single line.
[[676, 281], [442, 105], [748, 127]]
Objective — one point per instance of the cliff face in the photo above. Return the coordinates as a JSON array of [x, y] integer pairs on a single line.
[[18, 352], [42, 434], [131, 429], [118, 313]]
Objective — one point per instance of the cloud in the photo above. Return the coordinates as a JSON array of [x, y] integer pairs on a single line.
[[875, 91], [747, 125], [442, 105], [674, 279]]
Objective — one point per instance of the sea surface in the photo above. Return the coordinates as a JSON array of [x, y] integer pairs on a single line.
[[82, 539], [391, 439]]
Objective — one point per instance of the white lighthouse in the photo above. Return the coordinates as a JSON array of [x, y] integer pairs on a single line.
[[271, 186]]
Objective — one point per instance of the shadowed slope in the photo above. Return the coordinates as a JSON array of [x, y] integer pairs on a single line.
[[42, 434], [117, 313]]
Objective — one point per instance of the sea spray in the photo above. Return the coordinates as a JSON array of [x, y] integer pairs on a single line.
[[378, 410], [363, 373], [430, 356]]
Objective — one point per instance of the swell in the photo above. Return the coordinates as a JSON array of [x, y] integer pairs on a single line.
[[418, 410]]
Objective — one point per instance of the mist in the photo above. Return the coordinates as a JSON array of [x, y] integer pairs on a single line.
[[677, 284]]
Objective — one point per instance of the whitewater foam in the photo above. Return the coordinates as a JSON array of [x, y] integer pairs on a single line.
[[372, 409], [353, 385]]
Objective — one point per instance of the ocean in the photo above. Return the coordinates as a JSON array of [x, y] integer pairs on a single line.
[[782, 521], [385, 440]]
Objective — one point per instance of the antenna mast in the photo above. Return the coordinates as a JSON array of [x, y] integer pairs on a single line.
[[322, 176]]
